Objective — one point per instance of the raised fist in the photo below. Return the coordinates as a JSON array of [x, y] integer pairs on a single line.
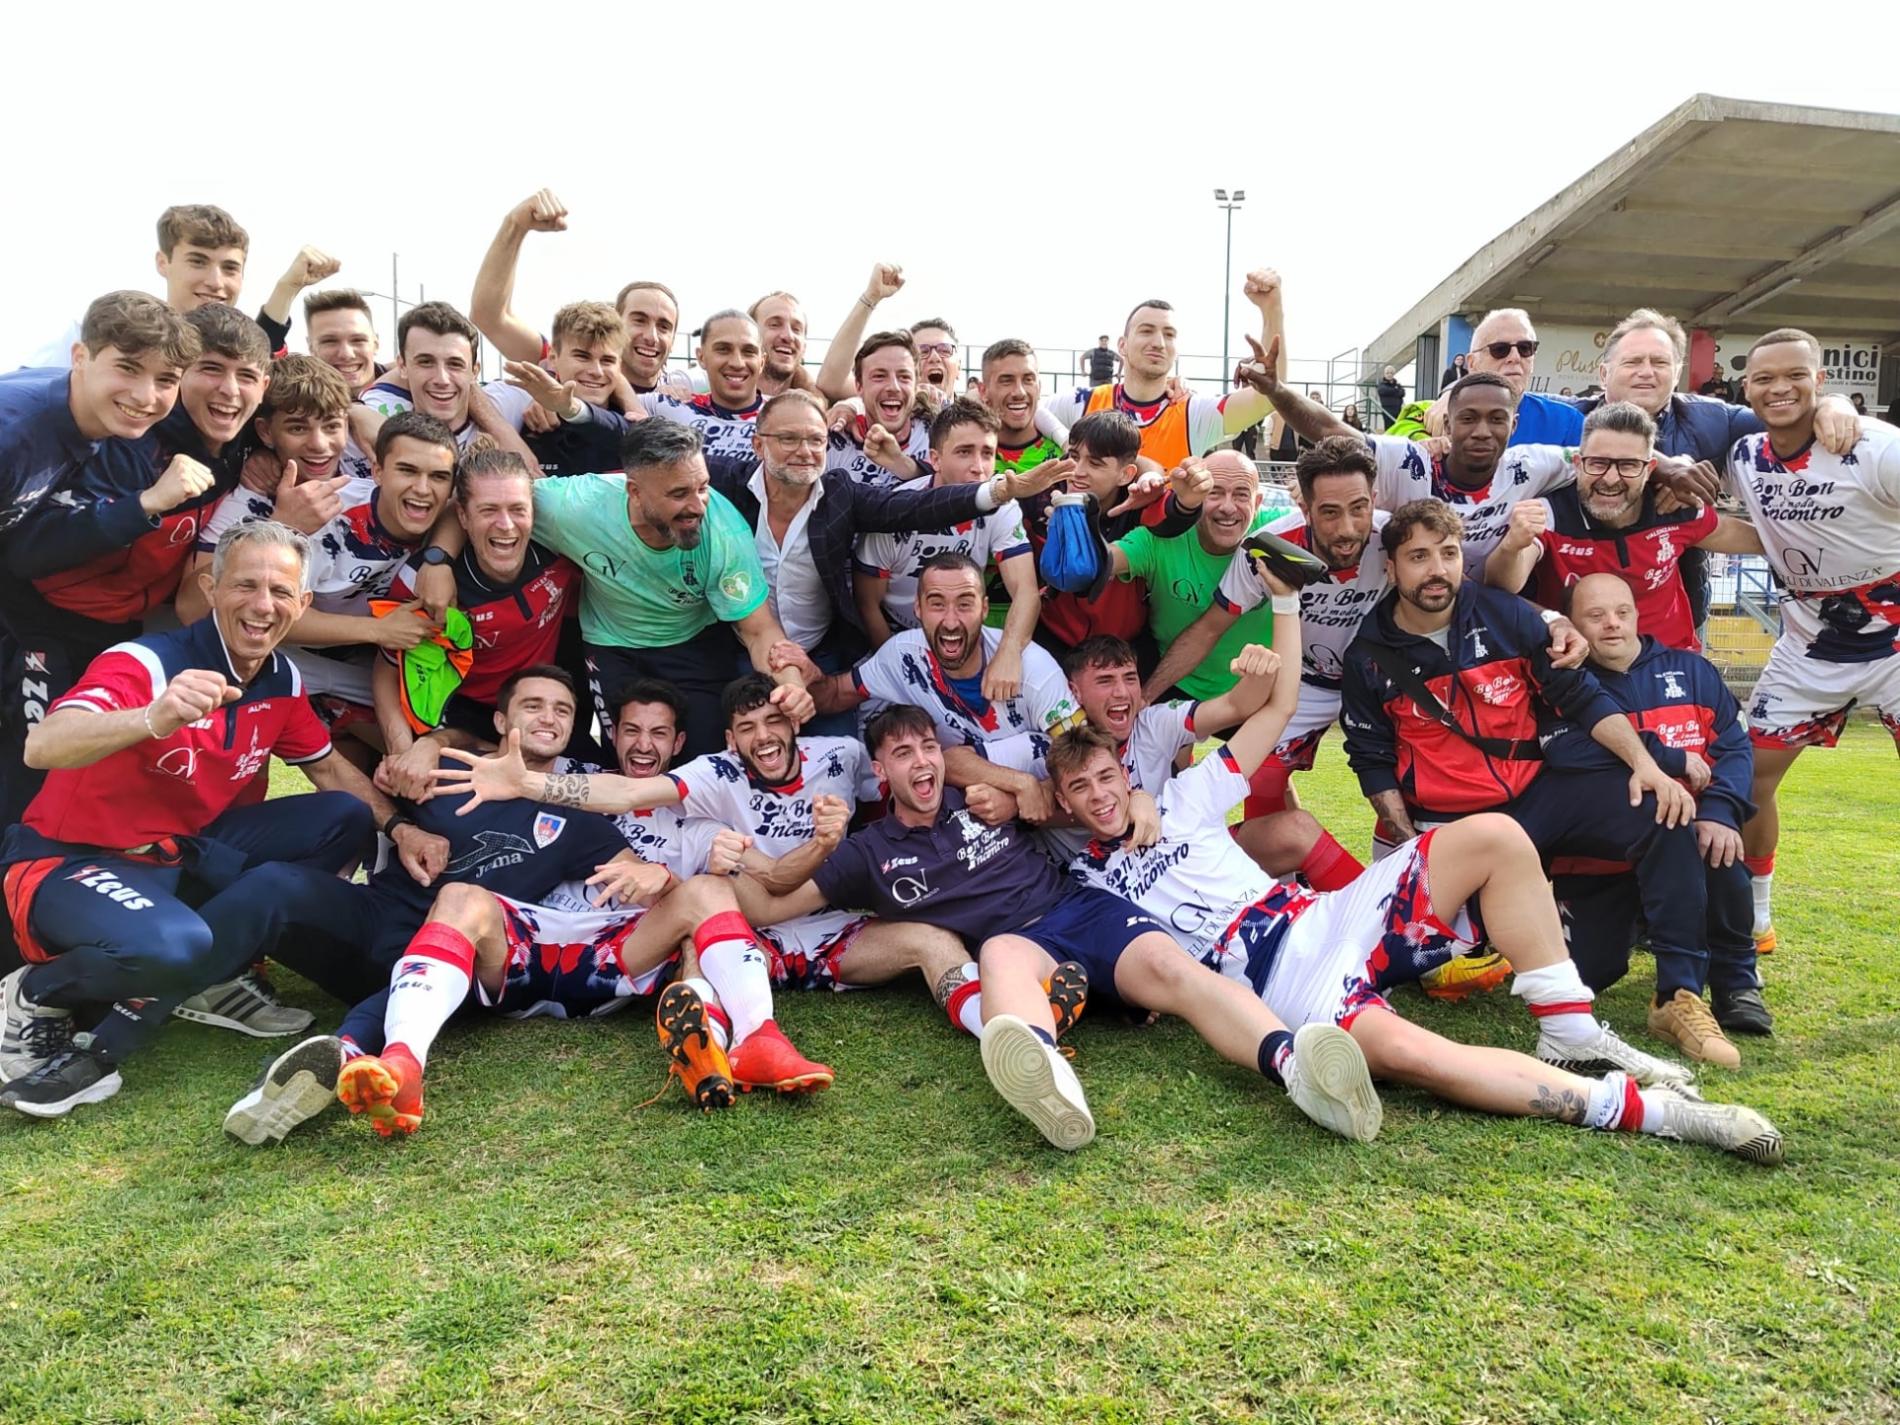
[[311, 266], [1262, 286], [184, 479], [886, 280], [540, 212]]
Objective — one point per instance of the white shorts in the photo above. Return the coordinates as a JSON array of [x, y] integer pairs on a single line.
[[347, 679], [1804, 702], [1318, 710], [567, 964], [804, 953], [1352, 944]]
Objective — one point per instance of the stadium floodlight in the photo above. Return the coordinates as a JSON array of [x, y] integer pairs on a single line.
[[1227, 205]]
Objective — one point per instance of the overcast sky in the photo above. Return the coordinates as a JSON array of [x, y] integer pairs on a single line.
[[1035, 169]]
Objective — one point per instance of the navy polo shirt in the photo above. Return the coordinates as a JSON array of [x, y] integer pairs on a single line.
[[958, 873]]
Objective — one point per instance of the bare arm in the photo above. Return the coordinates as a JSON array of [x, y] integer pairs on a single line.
[[835, 377], [764, 907], [1277, 667], [1389, 805], [869, 590], [1184, 655], [1309, 419], [1732, 536], [966, 767], [1509, 568], [491, 307], [306, 269], [761, 632]]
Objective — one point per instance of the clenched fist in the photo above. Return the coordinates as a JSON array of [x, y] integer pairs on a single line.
[[886, 280], [540, 212], [184, 479], [190, 695]]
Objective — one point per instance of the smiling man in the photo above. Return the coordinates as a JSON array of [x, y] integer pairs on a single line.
[[516, 596], [355, 556], [671, 582], [1327, 958], [134, 878], [1831, 526], [1607, 523]]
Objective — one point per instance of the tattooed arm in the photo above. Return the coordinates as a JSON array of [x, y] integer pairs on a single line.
[[504, 776]]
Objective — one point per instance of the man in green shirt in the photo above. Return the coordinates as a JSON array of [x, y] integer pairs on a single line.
[[670, 574], [1182, 573]]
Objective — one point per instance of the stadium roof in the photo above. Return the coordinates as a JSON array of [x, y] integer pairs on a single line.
[[1725, 211]]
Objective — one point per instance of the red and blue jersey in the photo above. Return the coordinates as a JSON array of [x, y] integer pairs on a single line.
[[1495, 679], [177, 785], [1679, 704], [517, 623], [1644, 556]]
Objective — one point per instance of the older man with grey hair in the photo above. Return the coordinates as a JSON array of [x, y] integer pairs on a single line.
[[134, 879], [1642, 364]]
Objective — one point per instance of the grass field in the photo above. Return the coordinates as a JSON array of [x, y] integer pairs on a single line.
[[905, 1248]]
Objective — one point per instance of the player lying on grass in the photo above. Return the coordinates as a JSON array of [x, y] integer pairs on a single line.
[[1327, 957], [520, 915], [932, 859], [773, 788]]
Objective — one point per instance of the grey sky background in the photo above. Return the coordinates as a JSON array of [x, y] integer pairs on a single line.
[[1036, 169]]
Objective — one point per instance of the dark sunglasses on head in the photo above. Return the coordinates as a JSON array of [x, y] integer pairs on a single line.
[[1501, 349]]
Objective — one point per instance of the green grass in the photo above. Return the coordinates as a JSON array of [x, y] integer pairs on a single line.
[[905, 1248]]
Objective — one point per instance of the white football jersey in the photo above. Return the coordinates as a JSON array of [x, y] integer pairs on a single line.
[[721, 431], [1195, 879], [721, 788], [1524, 472], [1831, 526], [1162, 731], [663, 836], [986, 538], [1014, 733], [1330, 612], [846, 452]]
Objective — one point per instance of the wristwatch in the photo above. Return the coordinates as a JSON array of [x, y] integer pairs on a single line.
[[436, 554]]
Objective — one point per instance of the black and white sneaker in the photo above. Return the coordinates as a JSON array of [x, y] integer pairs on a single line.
[[298, 1085], [30, 1034], [71, 1077], [248, 1005]]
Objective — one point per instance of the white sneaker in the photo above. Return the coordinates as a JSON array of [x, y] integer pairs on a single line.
[[299, 1084], [30, 1034], [1606, 1050], [1727, 1126], [1037, 1082], [1328, 1080]]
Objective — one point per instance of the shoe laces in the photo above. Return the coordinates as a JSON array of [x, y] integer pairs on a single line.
[[259, 988], [1696, 1017], [48, 1036]]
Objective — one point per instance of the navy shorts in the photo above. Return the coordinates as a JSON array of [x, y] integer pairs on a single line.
[[1092, 928]]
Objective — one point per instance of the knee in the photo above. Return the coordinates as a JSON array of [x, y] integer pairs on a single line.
[[178, 958], [468, 909], [703, 897], [1158, 970], [1495, 834]]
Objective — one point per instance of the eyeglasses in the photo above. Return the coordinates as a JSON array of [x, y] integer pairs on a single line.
[[935, 348], [1628, 467], [789, 441], [1501, 349]]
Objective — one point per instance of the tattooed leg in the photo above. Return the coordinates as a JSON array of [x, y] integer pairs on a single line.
[[1500, 1081]]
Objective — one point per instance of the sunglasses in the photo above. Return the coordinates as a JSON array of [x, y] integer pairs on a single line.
[[1501, 349]]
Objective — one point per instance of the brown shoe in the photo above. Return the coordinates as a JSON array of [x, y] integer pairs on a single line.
[[1687, 1023]]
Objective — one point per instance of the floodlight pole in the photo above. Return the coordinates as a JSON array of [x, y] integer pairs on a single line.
[[1222, 201]]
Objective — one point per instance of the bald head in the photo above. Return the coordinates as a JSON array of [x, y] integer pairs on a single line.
[[1233, 495], [1603, 607]]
